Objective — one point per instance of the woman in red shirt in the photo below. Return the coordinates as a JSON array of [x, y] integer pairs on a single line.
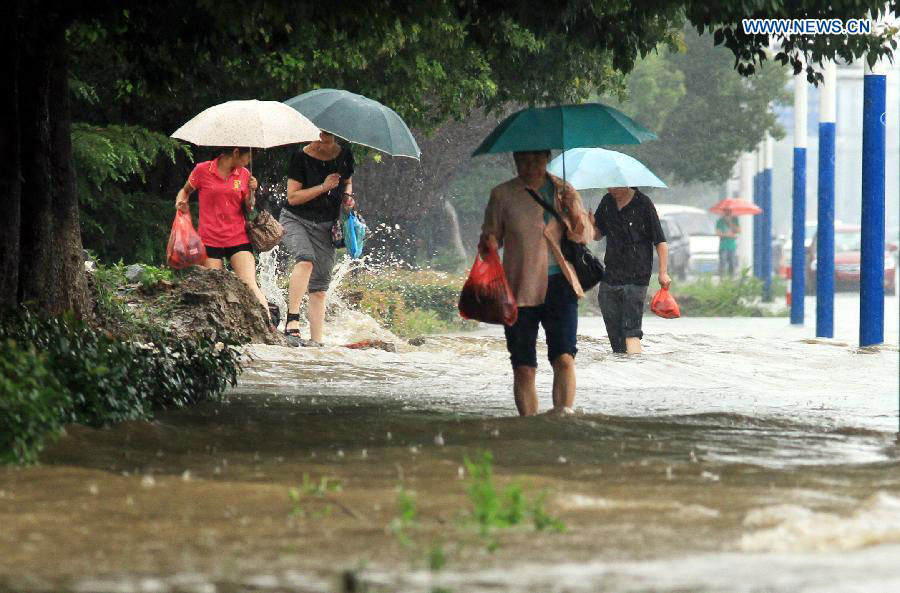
[[225, 185]]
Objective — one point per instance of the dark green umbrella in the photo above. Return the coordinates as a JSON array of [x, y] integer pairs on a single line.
[[357, 119], [563, 127]]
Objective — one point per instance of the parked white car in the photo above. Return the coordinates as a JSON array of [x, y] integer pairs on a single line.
[[700, 226]]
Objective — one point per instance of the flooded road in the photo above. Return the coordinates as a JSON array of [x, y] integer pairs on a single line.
[[735, 455]]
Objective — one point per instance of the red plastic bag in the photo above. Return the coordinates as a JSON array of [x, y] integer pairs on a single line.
[[486, 295], [664, 305], [185, 247]]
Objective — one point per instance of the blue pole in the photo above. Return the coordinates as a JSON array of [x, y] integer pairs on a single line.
[[798, 238], [825, 234], [757, 258], [766, 234], [871, 288]]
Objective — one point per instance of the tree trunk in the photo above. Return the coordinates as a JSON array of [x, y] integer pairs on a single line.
[[454, 230], [9, 155], [50, 261]]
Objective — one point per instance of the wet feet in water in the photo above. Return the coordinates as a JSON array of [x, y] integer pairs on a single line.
[[560, 411], [296, 341]]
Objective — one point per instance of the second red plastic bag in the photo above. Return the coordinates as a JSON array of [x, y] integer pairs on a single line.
[[185, 247], [486, 295], [664, 305]]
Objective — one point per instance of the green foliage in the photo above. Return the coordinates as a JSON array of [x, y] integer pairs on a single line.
[[674, 94], [106, 280], [117, 153], [101, 380], [728, 297], [299, 497], [31, 402], [407, 517], [119, 219], [437, 557], [152, 275], [493, 509]]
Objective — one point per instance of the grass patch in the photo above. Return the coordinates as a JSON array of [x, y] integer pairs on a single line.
[[408, 302], [709, 296]]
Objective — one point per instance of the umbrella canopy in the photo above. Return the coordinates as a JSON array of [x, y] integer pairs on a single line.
[[564, 127], [357, 119], [255, 124], [588, 168], [737, 206]]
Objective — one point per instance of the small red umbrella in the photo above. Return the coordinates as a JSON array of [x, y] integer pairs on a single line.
[[737, 206]]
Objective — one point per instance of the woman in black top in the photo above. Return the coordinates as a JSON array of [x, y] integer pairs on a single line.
[[320, 182]]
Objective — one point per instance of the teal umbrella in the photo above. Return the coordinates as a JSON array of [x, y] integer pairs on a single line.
[[590, 168], [357, 119], [563, 127]]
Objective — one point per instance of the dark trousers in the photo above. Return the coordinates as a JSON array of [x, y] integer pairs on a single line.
[[727, 262], [622, 307]]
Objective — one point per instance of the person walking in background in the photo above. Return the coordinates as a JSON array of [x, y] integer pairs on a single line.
[[543, 283], [320, 182], [628, 220], [225, 188], [727, 228]]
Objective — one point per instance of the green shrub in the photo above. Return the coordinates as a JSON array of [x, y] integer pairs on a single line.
[[31, 402], [101, 380], [409, 302], [726, 297]]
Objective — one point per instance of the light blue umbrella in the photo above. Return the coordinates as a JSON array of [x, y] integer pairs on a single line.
[[591, 168]]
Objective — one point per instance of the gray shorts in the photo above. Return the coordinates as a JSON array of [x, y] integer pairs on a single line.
[[623, 312], [309, 241]]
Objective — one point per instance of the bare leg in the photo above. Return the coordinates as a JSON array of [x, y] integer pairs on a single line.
[[297, 288], [633, 345], [563, 382], [213, 264], [244, 265], [524, 390], [316, 315]]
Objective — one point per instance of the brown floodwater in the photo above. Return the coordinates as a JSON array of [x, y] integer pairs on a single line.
[[732, 456]]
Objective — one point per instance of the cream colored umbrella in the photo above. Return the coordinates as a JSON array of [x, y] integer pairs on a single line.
[[252, 123]]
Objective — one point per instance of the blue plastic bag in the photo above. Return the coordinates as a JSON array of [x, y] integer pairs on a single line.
[[354, 234]]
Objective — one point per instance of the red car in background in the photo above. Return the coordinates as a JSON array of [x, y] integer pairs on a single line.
[[847, 259]]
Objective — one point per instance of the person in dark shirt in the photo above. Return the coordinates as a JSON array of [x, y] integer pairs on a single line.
[[320, 182], [628, 220]]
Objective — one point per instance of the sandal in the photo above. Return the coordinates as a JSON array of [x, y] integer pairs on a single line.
[[293, 334]]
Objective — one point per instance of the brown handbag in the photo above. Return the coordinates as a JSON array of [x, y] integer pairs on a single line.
[[263, 230]]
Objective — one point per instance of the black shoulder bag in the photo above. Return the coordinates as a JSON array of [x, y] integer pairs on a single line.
[[588, 268]]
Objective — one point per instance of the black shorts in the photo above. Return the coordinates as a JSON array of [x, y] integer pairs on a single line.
[[223, 252], [559, 316]]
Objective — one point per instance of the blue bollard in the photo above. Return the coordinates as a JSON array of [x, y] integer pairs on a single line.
[[798, 238], [766, 235], [825, 234], [871, 288], [757, 242]]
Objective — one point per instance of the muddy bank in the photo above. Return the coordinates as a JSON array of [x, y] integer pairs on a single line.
[[199, 303]]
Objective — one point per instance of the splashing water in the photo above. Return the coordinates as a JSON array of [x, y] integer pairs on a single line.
[[268, 270]]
